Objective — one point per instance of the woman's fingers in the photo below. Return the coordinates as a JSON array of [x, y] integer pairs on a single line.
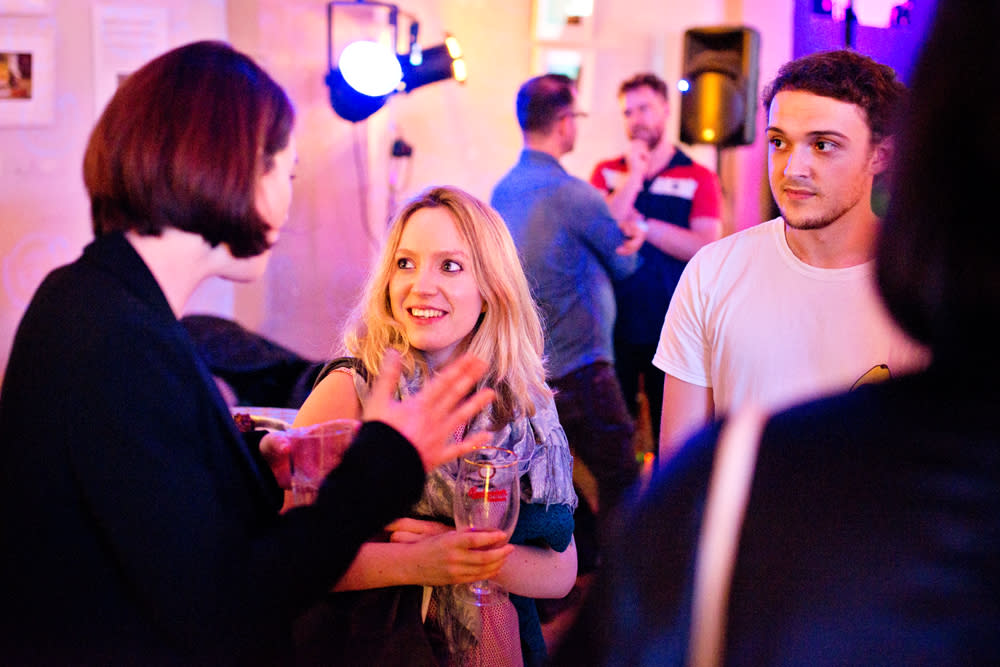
[[430, 417], [274, 448]]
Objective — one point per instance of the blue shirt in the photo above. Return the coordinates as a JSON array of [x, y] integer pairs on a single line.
[[567, 238]]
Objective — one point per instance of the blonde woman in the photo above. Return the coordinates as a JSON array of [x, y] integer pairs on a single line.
[[449, 281]]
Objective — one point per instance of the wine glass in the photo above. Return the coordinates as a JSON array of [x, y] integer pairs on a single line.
[[487, 497]]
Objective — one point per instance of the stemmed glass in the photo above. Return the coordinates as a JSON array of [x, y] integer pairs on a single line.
[[487, 497]]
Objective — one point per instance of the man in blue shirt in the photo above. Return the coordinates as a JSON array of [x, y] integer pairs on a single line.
[[572, 249]]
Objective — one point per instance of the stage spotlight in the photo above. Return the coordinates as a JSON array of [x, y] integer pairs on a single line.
[[437, 63], [370, 68], [347, 102], [368, 72]]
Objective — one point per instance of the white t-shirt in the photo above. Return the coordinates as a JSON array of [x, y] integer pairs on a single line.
[[755, 323]]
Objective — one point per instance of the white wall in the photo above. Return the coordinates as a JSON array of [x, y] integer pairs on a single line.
[[44, 211], [464, 135]]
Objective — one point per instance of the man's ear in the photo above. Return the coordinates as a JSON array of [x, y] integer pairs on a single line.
[[563, 124], [882, 155]]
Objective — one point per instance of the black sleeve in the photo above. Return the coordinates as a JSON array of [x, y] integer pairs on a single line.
[[380, 477], [252, 439], [342, 362]]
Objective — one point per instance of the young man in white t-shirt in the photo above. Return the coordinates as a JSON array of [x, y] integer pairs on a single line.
[[787, 310]]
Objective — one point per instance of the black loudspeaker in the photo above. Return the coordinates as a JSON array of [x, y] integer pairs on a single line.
[[719, 105]]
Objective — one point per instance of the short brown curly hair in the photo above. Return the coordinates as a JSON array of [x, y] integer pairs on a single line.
[[644, 80], [846, 76]]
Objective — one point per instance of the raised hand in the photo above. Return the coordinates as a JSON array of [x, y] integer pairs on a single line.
[[430, 417], [638, 156]]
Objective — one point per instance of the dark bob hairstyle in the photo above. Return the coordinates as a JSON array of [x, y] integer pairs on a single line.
[[183, 143]]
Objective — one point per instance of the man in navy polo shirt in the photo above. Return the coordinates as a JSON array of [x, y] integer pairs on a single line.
[[679, 202]]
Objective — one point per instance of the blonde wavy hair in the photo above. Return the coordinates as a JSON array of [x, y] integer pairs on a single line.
[[509, 332]]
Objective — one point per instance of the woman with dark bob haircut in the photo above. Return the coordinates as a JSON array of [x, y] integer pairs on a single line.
[[138, 526], [871, 532], [152, 162]]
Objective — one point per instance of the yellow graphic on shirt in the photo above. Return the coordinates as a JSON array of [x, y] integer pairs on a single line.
[[877, 374]]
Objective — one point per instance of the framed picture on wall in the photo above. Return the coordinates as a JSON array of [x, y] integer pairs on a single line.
[[25, 6], [563, 20], [125, 38], [26, 80]]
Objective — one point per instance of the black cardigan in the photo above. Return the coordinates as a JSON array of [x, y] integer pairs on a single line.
[[136, 525]]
